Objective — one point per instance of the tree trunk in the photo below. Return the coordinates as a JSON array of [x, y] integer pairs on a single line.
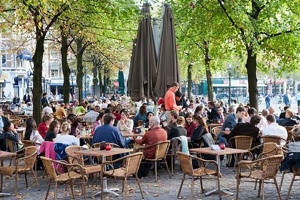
[[190, 81], [252, 78], [101, 83], [208, 72], [37, 76], [65, 68], [79, 77]]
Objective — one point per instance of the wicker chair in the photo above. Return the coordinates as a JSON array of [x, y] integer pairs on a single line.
[[28, 143], [241, 142], [13, 147], [203, 170], [63, 178], [261, 169], [161, 151], [296, 172], [289, 131], [78, 159], [175, 146], [271, 138], [130, 167], [22, 166]]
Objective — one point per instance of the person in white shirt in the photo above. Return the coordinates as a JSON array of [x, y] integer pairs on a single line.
[[32, 134], [92, 114], [273, 129], [47, 110], [64, 137], [125, 125], [263, 122]]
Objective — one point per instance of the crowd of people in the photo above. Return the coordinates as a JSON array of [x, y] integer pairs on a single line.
[[176, 116]]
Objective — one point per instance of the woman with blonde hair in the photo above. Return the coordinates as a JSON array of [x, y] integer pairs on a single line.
[[179, 129], [289, 118], [64, 136]]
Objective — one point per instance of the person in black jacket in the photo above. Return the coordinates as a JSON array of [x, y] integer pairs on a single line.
[[10, 133], [178, 130], [180, 100], [200, 130], [212, 112]]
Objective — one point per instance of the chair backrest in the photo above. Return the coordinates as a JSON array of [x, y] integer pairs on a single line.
[[185, 163], [28, 143], [271, 138], [289, 132], [242, 142], [72, 157], [175, 145], [215, 131], [270, 165], [12, 146], [162, 149], [30, 156], [132, 163], [270, 149], [50, 170]]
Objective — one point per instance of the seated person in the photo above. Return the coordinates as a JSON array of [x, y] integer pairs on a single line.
[[44, 126], [125, 125], [246, 129], [149, 115], [108, 133], [178, 130], [141, 115], [288, 121], [52, 131], [274, 129], [64, 136], [10, 133], [31, 132]]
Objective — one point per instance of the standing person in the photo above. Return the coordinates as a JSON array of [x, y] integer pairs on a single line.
[[287, 98], [298, 98], [44, 99], [108, 133], [268, 100], [170, 101], [26, 98], [180, 100]]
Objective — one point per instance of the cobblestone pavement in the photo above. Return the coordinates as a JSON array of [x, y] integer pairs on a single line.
[[165, 188]]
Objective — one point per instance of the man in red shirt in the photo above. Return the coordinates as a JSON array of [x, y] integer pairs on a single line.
[[155, 135], [170, 101]]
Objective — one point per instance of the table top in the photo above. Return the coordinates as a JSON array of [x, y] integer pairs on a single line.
[[98, 152], [21, 129], [5, 154], [132, 134], [226, 151]]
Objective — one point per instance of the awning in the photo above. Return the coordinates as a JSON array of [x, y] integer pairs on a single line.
[[60, 82], [25, 55]]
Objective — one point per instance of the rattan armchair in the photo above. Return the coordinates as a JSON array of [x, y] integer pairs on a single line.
[[261, 170], [28, 143], [130, 167], [271, 138], [241, 142], [215, 131], [75, 172], [204, 169], [161, 151], [22, 166], [74, 158]]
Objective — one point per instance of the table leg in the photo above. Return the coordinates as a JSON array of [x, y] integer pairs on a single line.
[[215, 190], [105, 188], [4, 194]]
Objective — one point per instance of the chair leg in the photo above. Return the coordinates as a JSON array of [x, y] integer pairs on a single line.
[[49, 185], [16, 183], [125, 187], [55, 191], [35, 178], [72, 188], [201, 185], [277, 188], [172, 165], [138, 182], [155, 170], [167, 168], [263, 189], [192, 188], [259, 188], [281, 181], [180, 187], [290, 188], [83, 187], [237, 188], [1, 184]]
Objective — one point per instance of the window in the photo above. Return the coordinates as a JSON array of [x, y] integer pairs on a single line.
[[54, 73], [3, 60]]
